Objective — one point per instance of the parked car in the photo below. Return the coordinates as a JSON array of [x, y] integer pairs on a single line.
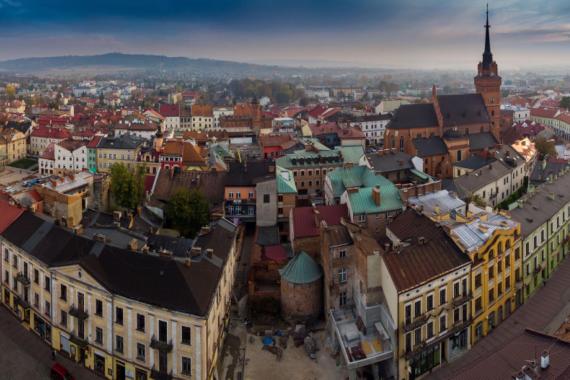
[[59, 372]]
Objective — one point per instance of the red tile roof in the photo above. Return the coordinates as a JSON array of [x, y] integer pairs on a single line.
[[94, 142], [305, 225], [275, 253], [169, 110], [543, 112], [9, 214], [52, 133]]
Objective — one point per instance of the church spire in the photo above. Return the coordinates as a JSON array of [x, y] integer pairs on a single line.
[[487, 55]]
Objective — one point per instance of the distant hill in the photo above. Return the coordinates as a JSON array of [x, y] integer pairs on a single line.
[[114, 62]]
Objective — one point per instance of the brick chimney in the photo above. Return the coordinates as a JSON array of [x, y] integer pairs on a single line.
[[376, 195]]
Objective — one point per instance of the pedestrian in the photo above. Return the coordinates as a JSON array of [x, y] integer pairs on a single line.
[[53, 355]]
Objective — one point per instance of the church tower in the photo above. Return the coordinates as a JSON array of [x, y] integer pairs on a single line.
[[488, 84]]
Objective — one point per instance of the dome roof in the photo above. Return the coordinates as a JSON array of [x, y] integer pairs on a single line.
[[301, 269]]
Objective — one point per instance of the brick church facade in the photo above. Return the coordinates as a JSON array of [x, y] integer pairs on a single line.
[[451, 127]]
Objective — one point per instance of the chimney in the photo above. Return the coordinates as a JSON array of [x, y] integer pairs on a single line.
[[434, 91], [317, 216], [545, 360], [209, 252], [387, 247], [376, 195]]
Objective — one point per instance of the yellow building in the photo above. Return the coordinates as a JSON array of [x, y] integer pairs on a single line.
[[13, 145], [114, 149], [492, 242], [121, 314]]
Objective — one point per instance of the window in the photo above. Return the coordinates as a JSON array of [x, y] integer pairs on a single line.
[[491, 295], [478, 305], [250, 196], [342, 275], [140, 322], [342, 253], [99, 308], [408, 342], [47, 284], [63, 292], [98, 335], [417, 336], [429, 302], [342, 299], [491, 272], [36, 300], [185, 335], [430, 330], [119, 316], [418, 308], [478, 280], [186, 366], [6, 255], [442, 296], [119, 343], [141, 352], [63, 319], [456, 315], [408, 311], [456, 291], [442, 323], [47, 309], [266, 198]]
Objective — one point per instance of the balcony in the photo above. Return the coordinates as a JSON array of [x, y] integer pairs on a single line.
[[23, 279], [461, 299], [160, 345], [415, 322], [359, 345], [78, 341], [21, 302], [78, 312], [160, 375]]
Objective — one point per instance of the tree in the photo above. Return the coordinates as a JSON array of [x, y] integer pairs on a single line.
[[127, 186], [187, 211], [11, 91], [565, 102], [545, 147]]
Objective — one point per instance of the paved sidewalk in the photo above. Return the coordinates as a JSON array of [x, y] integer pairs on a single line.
[[23, 356]]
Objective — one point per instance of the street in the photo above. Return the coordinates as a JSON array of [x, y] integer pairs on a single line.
[[25, 356]]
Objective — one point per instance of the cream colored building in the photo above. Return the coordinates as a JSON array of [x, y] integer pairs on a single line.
[[428, 299], [13, 145], [121, 314], [123, 149]]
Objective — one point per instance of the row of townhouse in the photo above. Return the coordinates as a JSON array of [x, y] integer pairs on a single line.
[[544, 215], [116, 311], [555, 118]]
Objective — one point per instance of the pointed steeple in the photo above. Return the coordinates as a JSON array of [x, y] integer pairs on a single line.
[[487, 55]]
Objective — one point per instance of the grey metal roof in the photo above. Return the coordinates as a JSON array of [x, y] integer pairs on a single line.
[[483, 140], [430, 146]]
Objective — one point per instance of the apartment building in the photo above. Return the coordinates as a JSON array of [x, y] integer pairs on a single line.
[[115, 311], [13, 145], [310, 167], [544, 218], [70, 156], [114, 149], [492, 242], [358, 320], [373, 127], [426, 282], [42, 137]]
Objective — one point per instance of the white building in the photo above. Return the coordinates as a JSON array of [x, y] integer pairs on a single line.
[[221, 112], [70, 155], [373, 127], [520, 114]]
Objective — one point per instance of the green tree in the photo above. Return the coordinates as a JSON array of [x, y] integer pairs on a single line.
[[187, 211], [545, 147], [127, 186], [565, 102], [11, 91]]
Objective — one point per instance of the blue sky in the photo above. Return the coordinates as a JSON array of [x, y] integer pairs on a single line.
[[375, 33]]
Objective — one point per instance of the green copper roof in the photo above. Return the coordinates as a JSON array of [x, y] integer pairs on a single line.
[[301, 269], [361, 201], [351, 154], [356, 176], [285, 181]]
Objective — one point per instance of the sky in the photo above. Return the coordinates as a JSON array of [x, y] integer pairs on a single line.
[[444, 34]]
